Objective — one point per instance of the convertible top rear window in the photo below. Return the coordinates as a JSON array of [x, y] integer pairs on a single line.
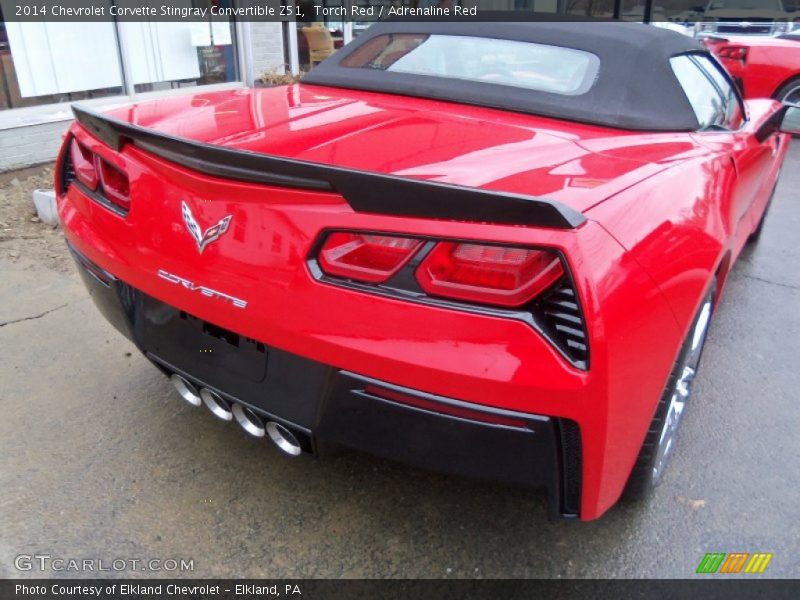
[[611, 74], [527, 65]]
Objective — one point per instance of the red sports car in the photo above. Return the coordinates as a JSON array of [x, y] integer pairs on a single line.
[[763, 67], [490, 249]]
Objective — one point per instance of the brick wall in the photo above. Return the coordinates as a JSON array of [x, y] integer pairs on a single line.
[[30, 145]]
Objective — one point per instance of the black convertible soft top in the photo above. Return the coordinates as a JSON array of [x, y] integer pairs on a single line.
[[635, 86]]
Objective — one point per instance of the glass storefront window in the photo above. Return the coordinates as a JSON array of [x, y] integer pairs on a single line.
[[318, 37], [360, 27], [45, 63], [314, 45], [179, 54], [591, 8], [634, 10], [51, 62]]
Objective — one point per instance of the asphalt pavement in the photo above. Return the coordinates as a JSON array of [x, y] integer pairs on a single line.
[[100, 459]]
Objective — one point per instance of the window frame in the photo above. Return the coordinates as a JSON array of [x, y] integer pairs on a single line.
[[727, 77], [693, 58]]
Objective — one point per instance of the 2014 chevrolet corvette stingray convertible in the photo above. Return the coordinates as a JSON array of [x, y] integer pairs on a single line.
[[490, 249]]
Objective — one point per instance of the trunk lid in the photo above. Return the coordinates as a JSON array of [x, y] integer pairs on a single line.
[[578, 165]]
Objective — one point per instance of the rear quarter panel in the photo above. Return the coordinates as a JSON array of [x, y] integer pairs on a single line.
[[779, 65], [677, 227], [770, 68], [681, 226], [692, 219], [767, 68]]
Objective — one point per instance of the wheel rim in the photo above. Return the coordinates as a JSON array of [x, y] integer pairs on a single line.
[[681, 390], [792, 95]]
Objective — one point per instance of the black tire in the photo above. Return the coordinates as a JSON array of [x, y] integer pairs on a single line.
[[785, 89], [653, 457]]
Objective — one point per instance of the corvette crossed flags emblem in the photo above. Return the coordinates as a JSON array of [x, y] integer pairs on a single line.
[[203, 238]]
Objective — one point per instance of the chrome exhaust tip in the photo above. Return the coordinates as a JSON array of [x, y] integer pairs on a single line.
[[220, 407], [186, 389], [284, 439], [250, 421]]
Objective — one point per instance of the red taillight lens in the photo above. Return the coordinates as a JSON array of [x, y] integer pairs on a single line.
[[500, 275], [115, 184], [83, 164], [733, 52], [366, 257]]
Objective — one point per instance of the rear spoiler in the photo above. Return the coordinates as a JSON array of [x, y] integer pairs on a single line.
[[364, 191]]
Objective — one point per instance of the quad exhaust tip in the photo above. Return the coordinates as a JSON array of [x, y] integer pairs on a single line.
[[284, 439], [219, 407], [186, 389], [250, 421]]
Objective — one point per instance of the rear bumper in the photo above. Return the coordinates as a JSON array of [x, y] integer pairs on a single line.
[[323, 404]]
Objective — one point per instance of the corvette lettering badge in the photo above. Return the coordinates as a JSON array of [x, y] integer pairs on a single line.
[[211, 234], [189, 285]]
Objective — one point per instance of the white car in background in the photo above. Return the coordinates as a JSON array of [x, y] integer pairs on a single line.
[[743, 17]]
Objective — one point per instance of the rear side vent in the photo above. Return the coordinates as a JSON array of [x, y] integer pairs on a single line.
[[571, 466], [67, 170], [562, 320]]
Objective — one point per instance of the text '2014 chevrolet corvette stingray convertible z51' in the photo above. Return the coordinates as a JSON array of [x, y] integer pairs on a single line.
[[489, 249]]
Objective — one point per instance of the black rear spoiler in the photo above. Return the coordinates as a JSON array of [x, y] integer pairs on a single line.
[[364, 191]]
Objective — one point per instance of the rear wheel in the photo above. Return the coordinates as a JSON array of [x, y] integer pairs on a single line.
[[661, 436], [789, 91]]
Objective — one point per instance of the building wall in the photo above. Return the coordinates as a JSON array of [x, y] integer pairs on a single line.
[[266, 46], [30, 145]]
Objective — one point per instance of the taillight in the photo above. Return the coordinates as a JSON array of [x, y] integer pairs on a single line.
[[83, 164], [92, 171], [530, 285], [499, 275], [733, 52], [115, 184], [366, 257]]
